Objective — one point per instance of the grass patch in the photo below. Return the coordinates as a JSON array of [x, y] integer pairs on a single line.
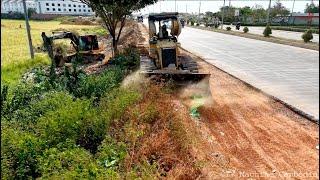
[[11, 73]]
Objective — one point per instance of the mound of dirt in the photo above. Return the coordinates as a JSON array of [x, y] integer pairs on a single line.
[[80, 21]]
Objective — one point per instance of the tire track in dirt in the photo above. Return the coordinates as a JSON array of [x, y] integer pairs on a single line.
[[260, 134]]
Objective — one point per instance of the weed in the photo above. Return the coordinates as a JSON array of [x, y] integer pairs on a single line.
[[194, 112]]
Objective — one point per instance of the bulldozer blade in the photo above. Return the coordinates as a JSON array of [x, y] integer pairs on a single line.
[[148, 68], [182, 79]]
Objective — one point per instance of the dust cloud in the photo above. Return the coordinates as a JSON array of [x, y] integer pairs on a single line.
[[197, 94]]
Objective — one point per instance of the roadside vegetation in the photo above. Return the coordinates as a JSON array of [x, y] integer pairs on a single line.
[[66, 124], [307, 36], [290, 42], [267, 31]]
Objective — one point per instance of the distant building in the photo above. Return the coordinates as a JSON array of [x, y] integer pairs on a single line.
[[63, 7], [304, 19], [16, 5]]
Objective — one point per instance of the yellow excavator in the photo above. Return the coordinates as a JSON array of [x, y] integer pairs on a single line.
[[164, 49]]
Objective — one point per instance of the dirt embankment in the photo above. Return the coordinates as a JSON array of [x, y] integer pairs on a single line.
[[243, 133]]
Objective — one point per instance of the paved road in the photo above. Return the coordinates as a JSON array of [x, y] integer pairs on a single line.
[[279, 33], [289, 73]]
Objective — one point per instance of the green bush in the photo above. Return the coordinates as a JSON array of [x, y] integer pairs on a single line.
[[192, 23], [114, 104], [19, 152], [228, 28], [307, 36], [129, 59], [74, 163], [294, 29], [245, 29], [111, 153], [96, 85], [267, 31], [64, 122], [19, 98]]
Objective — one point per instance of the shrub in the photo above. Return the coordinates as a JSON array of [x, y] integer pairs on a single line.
[[96, 85], [111, 153], [21, 97], [129, 59], [64, 122], [267, 31], [74, 163], [114, 104], [307, 36], [245, 29], [19, 151], [192, 23], [228, 28], [13, 15]]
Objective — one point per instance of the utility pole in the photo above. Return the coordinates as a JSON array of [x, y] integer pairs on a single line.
[[186, 8], [199, 12], [28, 28], [224, 2], [269, 9], [175, 5], [160, 5], [292, 12]]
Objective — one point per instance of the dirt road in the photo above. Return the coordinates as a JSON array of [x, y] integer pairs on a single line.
[[243, 133]]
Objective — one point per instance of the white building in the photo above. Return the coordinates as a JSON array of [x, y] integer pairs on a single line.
[[64, 7], [15, 5]]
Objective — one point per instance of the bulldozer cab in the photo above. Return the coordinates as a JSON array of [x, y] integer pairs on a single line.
[[164, 26]]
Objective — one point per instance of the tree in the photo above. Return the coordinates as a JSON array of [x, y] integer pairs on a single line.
[[312, 8], [228, 13], [31, 11], [279, 9], [258, 13], [245, 12], [114, 13]]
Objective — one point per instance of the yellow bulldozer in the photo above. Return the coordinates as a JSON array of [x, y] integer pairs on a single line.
[[164, 56]]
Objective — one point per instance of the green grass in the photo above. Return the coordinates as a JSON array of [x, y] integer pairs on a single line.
[[15, 56]]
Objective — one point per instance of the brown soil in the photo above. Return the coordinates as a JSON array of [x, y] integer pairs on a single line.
[[243, 133]]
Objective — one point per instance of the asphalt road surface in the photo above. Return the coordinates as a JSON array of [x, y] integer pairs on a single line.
[[286, 72], [278, 33]]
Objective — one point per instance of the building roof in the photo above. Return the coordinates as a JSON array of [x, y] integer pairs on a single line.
[[305, 14]]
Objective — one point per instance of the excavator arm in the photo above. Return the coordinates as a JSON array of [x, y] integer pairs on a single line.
[[82, 44], [48, 41]]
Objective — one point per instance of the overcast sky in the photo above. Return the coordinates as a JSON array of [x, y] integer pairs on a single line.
[[214, 5]]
